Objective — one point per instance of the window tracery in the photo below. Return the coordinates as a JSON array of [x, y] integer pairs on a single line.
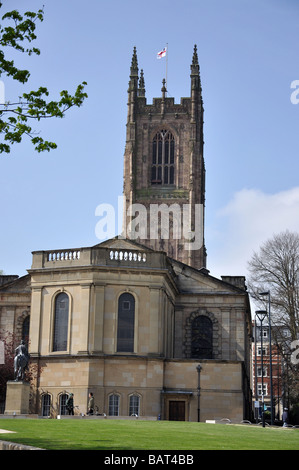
[[201, 336], [163, 158]]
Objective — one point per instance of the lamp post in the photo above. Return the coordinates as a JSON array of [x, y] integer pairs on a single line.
[[255, 373], [261, 314], [198, 392], [270, 354]]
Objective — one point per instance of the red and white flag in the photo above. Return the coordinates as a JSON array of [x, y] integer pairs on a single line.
[[162, 53]]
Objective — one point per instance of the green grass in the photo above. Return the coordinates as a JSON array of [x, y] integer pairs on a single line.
[[150, 435]]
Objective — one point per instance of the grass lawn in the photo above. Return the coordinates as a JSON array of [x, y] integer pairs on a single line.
[[150, 435]]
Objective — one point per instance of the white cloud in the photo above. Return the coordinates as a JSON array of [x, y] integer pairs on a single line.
[[247, 221]]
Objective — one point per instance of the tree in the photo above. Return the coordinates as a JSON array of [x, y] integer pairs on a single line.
[[10, 341], [275, 268], [7, 369], [16, 117]]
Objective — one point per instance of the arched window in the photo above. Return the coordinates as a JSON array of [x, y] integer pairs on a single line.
[[202, 338], [62, 403], [126, 323], [134, 407], [163, 158], [46, 404], [25, 329], [114, 405], [61, 320]]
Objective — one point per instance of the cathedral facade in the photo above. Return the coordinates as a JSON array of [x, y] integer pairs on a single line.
[[138, 320]]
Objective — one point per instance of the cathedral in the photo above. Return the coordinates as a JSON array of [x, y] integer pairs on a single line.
[[138, 320]]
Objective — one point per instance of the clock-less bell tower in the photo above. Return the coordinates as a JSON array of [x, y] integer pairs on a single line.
[[164, 171]]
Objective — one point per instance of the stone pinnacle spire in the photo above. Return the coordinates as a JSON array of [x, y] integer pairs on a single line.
[[141, 89], [195, 65], [134, 64]]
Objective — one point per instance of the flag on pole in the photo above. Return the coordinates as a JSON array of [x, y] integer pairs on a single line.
[[162, 53]]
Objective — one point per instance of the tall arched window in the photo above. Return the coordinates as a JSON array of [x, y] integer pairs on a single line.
[[62, 403], [61, 320], [126, 323], [113, 405], [134, 405], [163, 158], [46, 404], [202, 338], [25, 329]]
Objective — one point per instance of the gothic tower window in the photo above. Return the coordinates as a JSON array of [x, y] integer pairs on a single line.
[[163, 158], [61, 319], [126, 323], [202, 338]]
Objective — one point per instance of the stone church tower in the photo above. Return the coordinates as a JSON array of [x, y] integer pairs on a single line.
[[164, 170]]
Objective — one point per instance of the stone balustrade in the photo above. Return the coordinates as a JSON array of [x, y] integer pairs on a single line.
[[124, 255], [99, 256], [63, 255]]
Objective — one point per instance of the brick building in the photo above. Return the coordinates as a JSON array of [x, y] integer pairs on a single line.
[[261, 372]]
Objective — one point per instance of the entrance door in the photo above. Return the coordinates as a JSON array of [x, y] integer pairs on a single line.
[[176, 411]]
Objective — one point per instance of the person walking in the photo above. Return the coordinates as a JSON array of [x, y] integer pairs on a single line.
[[285, 417], [90, 404]]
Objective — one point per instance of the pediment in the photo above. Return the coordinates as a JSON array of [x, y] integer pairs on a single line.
[[123, 244], [195, 281], [19, 285]]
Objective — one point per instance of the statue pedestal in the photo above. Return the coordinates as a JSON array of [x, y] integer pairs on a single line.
[[17, 398]]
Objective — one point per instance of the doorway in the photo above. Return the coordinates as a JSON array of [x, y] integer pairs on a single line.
[[176, 410]]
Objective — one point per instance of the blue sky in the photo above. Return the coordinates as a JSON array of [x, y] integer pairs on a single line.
[[248, 54]]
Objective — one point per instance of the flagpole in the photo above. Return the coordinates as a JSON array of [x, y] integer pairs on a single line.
[[166, 64]]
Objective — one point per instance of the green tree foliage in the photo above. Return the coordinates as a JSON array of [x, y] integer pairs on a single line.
[[275, 268], [11, 341], [16, 117]]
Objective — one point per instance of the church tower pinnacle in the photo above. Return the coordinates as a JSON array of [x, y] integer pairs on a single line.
[[164, 171]]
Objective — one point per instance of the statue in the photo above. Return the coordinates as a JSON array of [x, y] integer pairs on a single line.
[[21, 361]]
